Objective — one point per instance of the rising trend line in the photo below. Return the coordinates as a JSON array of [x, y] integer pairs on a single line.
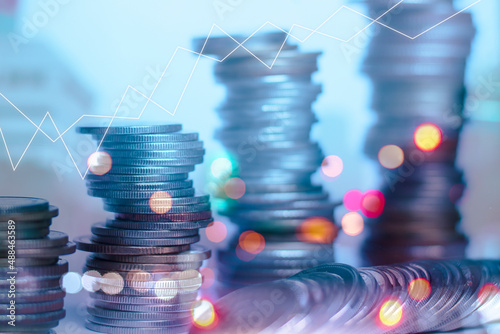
[[200, 54]]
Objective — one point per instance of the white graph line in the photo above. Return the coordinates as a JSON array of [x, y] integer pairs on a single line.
[[200, 54]]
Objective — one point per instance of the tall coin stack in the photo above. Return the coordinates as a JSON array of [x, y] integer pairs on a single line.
[[285, 222], [418, 94], [31, 294], [144, 273]]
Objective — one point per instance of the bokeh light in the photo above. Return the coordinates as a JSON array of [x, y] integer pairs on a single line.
[[391, 313], [204, 315], [138, 279], [352, 224], [234, 188], [71, 282], [391, 156], [488, 292], [332, 166], [427, 137], [221, 168], [217, 232], [112, 283], [352, 200], [372, 203], [317, 229], [208, 277], [160, 202], [419, 289], [91, 281], [164, 293], [99, 163], [252, 242]]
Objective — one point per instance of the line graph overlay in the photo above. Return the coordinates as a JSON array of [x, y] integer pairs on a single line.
[[200, 54]]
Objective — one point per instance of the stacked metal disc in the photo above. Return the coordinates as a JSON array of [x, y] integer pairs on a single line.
[[31, 295], [418, 82], [416, 297], [144, 273], [267, 119]]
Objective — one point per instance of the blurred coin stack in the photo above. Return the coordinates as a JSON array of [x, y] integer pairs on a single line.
[[144, 274], [285, 222], [31, 294], [418, 94], [417, 297]]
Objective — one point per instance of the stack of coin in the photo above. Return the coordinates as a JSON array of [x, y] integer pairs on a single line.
[[285, 222], [144, 274], [30, 271], [418, 95], [416, 297]]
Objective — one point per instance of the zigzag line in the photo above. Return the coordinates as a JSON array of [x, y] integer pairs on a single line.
[[200, 54]]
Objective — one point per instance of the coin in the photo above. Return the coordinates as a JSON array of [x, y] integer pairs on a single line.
[[22, 205], [84, 243], [130, 130]]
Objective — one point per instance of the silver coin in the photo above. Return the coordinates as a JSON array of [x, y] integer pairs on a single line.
[[10, 205], [157, 154], [155, 208], [200, 199], [110, 266], [35, 307], [142, 170], [195, 254], [139, 187], [60, 268], [174, 162], [173, 217], [145, 242], [133, 330], [147, 225], [130, 130], [183, 145], [84, 243], [102, 230], [31, 216], [139, 323], [54, 239], [151, 309], [149, 138], [34, 297], [112, 314], [47, 252], [24, 319], [137, 178], [139, 300], [139, 195]]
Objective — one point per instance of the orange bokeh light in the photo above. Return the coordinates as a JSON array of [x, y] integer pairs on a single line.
[[160, 202], [419, 289], [317, 229], [252, 242], [427, 137]]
